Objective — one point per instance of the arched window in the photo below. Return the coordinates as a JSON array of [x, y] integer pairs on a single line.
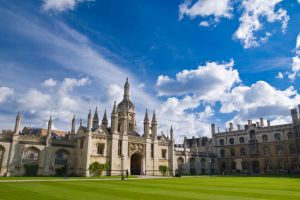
[[242, 140], [231, 141], [252, 135], [31, 156], [222, 153], [61, 157], [233, 165], [232, 152], [265, 138], [242, 151], [203, 163], [281, 165], [221, 142], [277, 136]]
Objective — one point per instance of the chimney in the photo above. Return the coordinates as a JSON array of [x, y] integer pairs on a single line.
[[269, 123], [218, 129], [257, 124], [230, 126], [239, 127], [249, 122], [262, 122], [213, 128]]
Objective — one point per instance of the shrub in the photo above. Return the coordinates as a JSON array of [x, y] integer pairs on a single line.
[[96, 168], [163, 169], [31, 170], [62, 171]]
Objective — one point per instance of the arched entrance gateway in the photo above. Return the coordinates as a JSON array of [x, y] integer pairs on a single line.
[[136, 164]]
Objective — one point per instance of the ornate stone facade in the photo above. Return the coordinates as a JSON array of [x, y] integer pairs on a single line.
[[37, 151]]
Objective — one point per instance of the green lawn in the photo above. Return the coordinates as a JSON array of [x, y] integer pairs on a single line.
[[224, 188]]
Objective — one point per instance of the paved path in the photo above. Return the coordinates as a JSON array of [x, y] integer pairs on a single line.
[[81, 179]]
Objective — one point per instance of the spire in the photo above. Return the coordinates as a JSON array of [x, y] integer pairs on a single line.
[[146, 125], [73, 125], [154, 118], [17, 125], [89, 121], [126, 89], [96, 119], [171, 134], [146, 119], [114, 119], [104, 119], [49, 130], [114, 111]]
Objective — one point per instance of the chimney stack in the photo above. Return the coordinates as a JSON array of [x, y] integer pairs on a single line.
[[257, 124], [230, 126], [239, 127], [213, 128], [269, 123], [249, 122], [262, 122]]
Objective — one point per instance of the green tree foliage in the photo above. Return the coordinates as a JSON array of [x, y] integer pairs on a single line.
[[97, 168], [163, 169]]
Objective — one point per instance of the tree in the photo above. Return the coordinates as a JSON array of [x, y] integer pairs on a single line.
[[97, 168], [163, 169]]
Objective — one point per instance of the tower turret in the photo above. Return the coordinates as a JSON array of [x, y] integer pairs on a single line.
[[146, 125], [96, 119], [154, 126], [126, 89], [17, 125], [114, 119], [104, 120], [49, 131], [73, 125], [89, 121], [171, 134]]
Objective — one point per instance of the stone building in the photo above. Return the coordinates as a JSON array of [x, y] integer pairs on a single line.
[[119, 145], [195, 156], [258, 147]]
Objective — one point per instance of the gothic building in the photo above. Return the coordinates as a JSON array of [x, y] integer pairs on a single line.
[[38, 151], [259, 148]]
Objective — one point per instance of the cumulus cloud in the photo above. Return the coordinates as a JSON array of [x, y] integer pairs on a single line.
[[5, 93], [205, 8], [259, 100], [295, 61], [49, 83], [254, 11], [61, 5], [35, 100], [208, 82], [254, 14]]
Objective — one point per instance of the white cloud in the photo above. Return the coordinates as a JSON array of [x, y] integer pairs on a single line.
[[49, 83], [259, 100], [5, 93], [34, 100], [204, 24], [254, 11], [280, 75], [205, 8], [208, 82], [295, 61], [70, 83], [61, 5]]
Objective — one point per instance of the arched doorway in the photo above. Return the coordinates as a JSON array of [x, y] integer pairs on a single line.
[[193, 166], [136, 164], [180, 163], [30, 160]]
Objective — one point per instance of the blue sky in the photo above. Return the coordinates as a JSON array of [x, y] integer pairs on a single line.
[[194, 62]]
